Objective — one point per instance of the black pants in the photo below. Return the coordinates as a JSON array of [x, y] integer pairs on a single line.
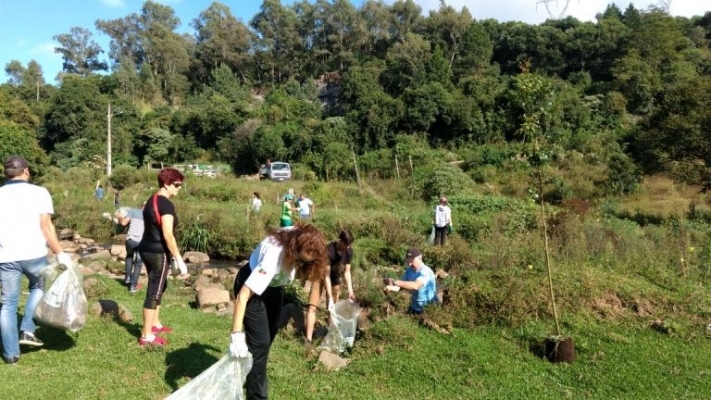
[[261, 324], [440, 235], [157, 268]]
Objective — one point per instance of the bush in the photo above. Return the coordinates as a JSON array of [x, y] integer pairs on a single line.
[[442, 180]]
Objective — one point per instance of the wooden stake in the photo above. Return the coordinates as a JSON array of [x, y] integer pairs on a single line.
[[355, 163], [397, 168]]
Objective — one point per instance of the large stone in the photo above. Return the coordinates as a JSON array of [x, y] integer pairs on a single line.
[[86, 241], [65, 233], [331, 361], [442, 274], [118, 250], [97, 266], [229, 310], [195, 257], [68, 246], [86, 271], [99, 255], [209, 297]]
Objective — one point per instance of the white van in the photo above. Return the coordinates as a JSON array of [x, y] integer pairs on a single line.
[[276, 171]]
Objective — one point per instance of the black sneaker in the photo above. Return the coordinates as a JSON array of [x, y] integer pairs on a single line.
[[12, 360], [29, 339]]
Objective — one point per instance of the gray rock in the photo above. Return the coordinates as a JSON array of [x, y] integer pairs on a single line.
[[209, 297], [195, 257], [102, 254], [331, 361]]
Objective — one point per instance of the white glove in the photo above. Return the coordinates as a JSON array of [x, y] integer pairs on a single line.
[[331, 307], [65, 259], [238, 345], [181, 265]]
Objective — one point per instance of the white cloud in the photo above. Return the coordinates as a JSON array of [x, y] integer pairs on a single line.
[[45, 51], [534, 11], [114, 3]]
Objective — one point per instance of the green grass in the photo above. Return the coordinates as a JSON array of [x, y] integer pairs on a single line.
[[396, 358]]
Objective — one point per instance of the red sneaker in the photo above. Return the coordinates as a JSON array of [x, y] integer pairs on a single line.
[[157, 341], [162, 329]]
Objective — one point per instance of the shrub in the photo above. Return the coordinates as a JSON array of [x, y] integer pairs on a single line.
[[441, 180]]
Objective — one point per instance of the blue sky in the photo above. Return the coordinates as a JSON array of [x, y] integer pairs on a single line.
[[28, 25]]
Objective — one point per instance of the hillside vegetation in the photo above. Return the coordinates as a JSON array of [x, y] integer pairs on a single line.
[[630, 277]]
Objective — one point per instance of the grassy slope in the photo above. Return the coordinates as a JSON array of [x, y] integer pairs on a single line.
[[399, 359], [619, 356]]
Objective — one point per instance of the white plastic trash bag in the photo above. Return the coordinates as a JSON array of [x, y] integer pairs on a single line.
[[431, 239], [64, 304], [222, 381], [343, 325]]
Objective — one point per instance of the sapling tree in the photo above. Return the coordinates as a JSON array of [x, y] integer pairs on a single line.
[[534, 94]]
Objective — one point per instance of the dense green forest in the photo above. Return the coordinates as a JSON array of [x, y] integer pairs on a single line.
[[318, 82]]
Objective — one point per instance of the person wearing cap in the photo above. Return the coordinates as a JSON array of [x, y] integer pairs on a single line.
[[286, 209], [26, 229], [442, 221], [419, 279]]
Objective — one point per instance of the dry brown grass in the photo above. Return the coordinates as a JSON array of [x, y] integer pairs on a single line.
[[662, 196]]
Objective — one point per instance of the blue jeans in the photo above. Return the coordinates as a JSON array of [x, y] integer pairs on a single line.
[[10, 279], [133, 263]]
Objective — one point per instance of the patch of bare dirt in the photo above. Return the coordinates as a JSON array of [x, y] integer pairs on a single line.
[[609, 306]]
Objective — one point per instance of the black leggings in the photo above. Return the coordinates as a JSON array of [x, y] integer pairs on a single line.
[[157, 268], [261, 324]]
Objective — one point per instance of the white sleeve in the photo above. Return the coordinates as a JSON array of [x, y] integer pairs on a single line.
[[44, 202], [265, 269]]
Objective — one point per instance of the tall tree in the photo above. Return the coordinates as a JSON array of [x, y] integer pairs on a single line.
[[80, 54], [222, 39], [278, 45], [149, 40], [447, 28]]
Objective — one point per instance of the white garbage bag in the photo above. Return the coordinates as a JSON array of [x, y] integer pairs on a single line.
[[64, 304], [222, 381]]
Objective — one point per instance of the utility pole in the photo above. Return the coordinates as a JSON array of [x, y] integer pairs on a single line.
[[108, 138], [108, 141], [38, 76]]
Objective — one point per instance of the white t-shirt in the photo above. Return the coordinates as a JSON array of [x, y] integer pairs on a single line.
[[256, 204], [305, 206], [21, 205], [267, 269], [443, 215]]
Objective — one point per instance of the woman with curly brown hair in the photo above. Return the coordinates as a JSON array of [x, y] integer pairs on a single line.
[[259, 293]]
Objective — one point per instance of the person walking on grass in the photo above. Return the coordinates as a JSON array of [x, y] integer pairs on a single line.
[[306, 207], [256, 203], [99, 192], [26, 229], [298, 251], [340, 255], [419, 279], [134, 219], [442, 221], [286, 210], [157, 247]]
